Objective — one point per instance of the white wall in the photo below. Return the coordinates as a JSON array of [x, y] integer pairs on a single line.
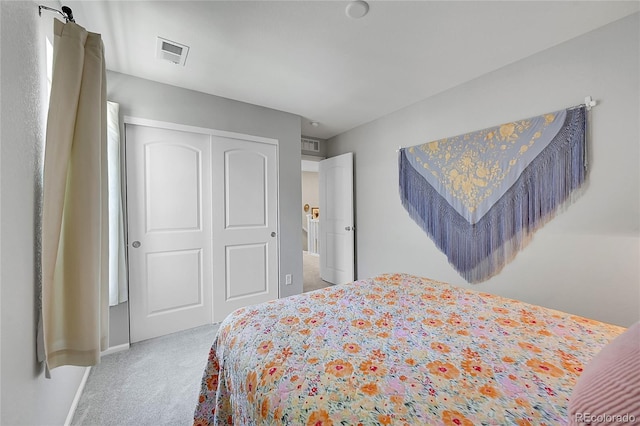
[[310, 193], [26, 396], [311, 196], [147, 99], [585, 261]]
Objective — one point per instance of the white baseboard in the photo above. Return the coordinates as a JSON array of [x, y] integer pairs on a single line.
[[114, 349], [76, 398]]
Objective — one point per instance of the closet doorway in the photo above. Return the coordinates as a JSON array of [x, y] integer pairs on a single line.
[[202, 211]]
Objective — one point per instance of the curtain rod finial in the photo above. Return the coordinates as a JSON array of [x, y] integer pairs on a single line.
[[68, 12], [589, 102]]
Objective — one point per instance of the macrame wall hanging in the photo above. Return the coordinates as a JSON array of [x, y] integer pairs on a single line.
[[480, 196]]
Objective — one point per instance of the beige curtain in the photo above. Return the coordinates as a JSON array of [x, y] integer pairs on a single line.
[[75, 290]]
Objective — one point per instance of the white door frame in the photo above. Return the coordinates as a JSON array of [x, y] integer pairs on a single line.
[[194, 129], [212, 132]]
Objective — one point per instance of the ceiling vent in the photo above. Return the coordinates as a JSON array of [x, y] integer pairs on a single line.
[[310, 145], [171, 51]]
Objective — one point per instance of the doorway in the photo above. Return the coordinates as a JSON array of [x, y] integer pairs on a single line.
[[310, 225], [329, 228], [337, 233]]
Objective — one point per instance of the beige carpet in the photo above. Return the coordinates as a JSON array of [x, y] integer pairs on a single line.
[[311, 273]]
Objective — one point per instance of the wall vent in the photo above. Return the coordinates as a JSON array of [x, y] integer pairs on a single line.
[[311, 145], [171, 51]]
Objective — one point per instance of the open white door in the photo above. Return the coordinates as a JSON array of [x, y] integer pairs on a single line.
[[169, 222], [245, 224], [336, 242]]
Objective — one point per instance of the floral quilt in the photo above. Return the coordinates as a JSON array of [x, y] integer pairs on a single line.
[[396, 350]]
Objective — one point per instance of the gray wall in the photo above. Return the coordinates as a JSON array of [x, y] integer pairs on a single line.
[[147, 99], [586, 260], [27, 397]]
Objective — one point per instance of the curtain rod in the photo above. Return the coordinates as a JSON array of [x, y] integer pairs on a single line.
[[66, 12], [589, 103]]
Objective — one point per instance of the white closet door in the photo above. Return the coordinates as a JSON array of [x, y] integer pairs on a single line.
[[245, 224], [169, 224]]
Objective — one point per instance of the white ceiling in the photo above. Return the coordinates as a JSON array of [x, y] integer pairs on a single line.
[[310, 59]]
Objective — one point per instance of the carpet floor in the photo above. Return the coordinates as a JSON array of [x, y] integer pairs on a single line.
[[311, 273], [155, 382]]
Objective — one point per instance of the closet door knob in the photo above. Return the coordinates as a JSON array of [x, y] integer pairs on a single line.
[[273, 234], [136, 244]]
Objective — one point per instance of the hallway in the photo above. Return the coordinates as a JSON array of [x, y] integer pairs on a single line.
[[311, 273]]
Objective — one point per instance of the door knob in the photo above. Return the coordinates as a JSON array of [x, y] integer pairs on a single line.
[[273, 234], [136, 244], [347, 228]]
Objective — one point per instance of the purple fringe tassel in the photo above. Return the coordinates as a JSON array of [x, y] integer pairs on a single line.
[[480, 251]]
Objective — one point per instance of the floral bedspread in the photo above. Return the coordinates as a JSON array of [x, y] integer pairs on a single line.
[[396, 350]]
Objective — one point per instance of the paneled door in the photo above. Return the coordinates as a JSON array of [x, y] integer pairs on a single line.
[[245, 224], [169, 230], [336, 242]]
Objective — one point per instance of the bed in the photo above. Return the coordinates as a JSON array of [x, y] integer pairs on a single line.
[[396, 349]]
